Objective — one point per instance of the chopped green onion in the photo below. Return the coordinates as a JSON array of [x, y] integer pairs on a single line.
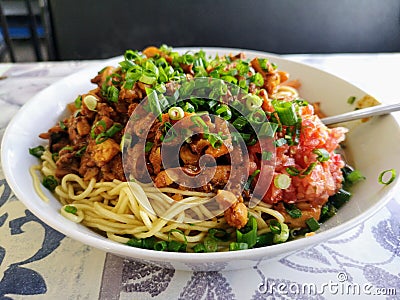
[[188, 107], [265, 239], [280, 142], [111, 93], [37, 151], [199, 122], [148, 146], [341, 197], [199, 248], [327, 211], [219, 234], [282, 181], [215, 140], [268, 129], [266, 155], [257, 79], [293, 211], [100, 123], [390, 180], [312, 224], [286, 112], [250, 179], [78, 102], [148, 243], [322, 154], [257, 117], [248, 234], [240, 123], [253, 101], [275, 226], [160, 246], [292, 171], [175, 246], [70, 209], [176, 113], [224, 111], [263, 62], [134, 242], [62, 125], [309, 169], [210, 244], [351, 99], [283, 235], [81, 151], [50, 182], [353, 177], [154, 103], [238, 246]]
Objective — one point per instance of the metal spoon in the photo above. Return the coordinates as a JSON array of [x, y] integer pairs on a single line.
[[362, 113]]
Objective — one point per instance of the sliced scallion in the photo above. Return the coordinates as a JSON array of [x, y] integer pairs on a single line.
[[50, 182], [283, 235], [381, 179], [282, 181], [238, 246], [322, 154], [37, 151], [176, 113], [312, 224]]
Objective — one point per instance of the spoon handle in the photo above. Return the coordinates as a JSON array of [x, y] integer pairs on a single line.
[[362, 113]]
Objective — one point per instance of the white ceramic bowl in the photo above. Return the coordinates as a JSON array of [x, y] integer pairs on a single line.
[[373, 146]]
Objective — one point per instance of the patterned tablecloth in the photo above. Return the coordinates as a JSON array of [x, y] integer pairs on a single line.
[[37, 262]]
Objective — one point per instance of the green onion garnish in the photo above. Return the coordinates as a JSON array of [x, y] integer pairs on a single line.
[[160, 246], [62, 125], [322, 154], [148, 146], [309, 169], [210, 244], [341, 197], [282, 181], [219, 234], [286, 112], [248, 234], [390, 180], [176, 113], [70, 209], [199, 248], [50, 182], [293, 211], [312, 224], [238, 246], [351, 99], [78, 102], [250, 179], [283, 235], [224, 111], [275, 226], [37, 151], [353, 177]]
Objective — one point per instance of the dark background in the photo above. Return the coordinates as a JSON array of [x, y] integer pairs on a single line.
[[99, 29]]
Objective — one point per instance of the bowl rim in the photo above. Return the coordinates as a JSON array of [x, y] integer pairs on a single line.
[[107, 245]]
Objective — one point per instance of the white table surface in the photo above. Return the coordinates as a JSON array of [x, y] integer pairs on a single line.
[[37, 262]]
